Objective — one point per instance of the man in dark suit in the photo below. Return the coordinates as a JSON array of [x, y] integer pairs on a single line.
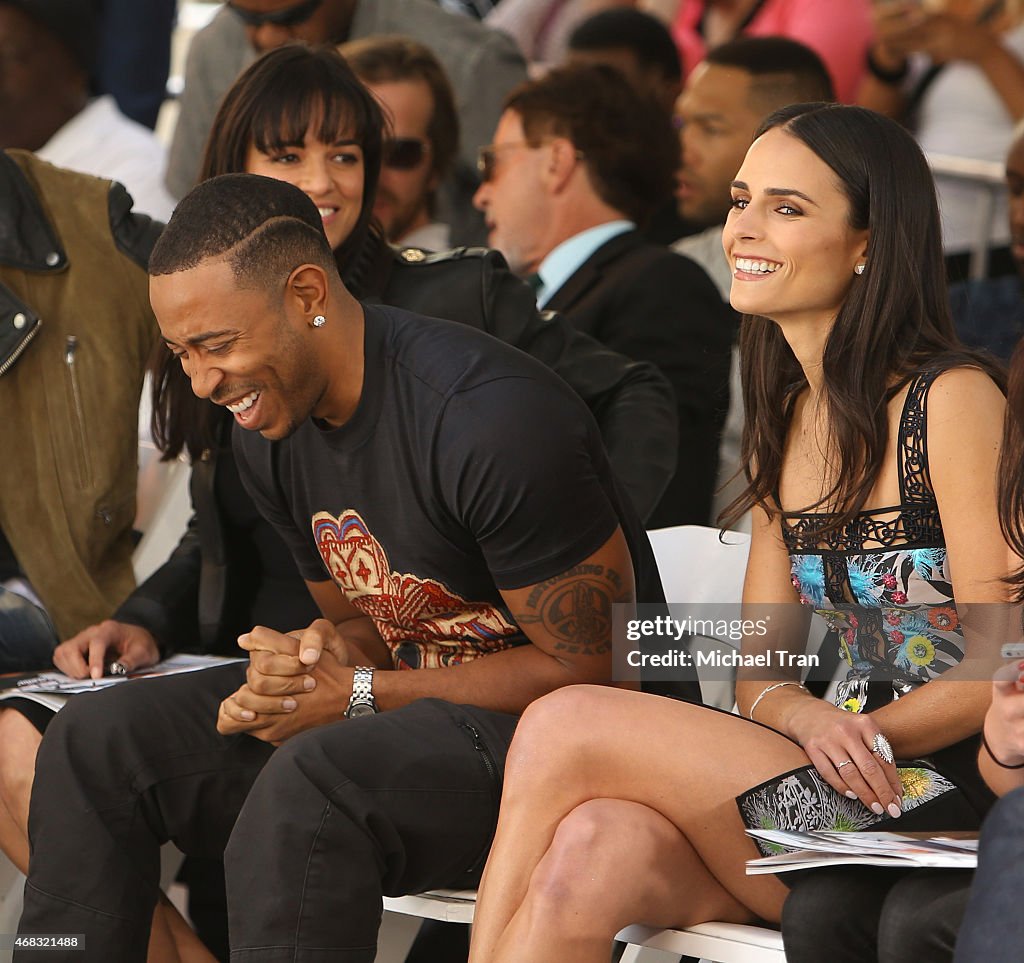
[[579, 161]]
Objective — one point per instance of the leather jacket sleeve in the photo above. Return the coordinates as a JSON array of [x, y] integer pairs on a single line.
[[632, 401], [167, 603]]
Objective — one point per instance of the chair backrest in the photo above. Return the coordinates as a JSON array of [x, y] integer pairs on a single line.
[[699, 565]]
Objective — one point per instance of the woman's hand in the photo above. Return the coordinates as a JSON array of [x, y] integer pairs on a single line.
[[89, 652], [839, 744], [1004, 723]]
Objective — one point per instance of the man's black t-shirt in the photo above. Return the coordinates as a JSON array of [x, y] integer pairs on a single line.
[[467, 467]]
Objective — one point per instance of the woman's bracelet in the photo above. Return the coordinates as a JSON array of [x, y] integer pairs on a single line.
[[770, 688], [886, 75], [994, 758]]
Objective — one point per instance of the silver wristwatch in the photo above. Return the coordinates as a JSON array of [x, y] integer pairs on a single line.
[[361, 701]]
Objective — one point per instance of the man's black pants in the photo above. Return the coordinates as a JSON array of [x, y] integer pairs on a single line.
[[312, 834]]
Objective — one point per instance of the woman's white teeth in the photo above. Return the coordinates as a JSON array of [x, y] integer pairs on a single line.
[[750, 266], [326, 211], [245, 404]]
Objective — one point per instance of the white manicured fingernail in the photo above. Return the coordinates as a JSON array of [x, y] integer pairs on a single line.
[[288, 703], [850, 794], [876, 808], [308, 683], [895, 811], [309, 656]]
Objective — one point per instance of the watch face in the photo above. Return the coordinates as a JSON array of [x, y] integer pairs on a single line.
[[362, 709]]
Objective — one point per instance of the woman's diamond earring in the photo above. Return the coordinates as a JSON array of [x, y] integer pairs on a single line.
[[319, 321], [859, 269]]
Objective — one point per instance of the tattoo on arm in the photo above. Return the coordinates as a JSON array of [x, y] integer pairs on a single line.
[[575, 608]]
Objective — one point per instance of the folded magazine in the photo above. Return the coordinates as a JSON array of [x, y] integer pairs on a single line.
[[794, 849]]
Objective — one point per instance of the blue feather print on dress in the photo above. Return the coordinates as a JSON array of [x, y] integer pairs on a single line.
[[809, 572], [862, 585], [928, 562]]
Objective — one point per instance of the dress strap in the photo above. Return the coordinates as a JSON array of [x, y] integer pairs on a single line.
[[912, 451]]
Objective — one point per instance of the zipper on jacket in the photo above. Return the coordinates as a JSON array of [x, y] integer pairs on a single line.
[[70, 350], [492, 773], [20, 350]]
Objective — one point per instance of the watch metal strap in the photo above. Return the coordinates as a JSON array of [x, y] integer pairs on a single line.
[[362, 689]]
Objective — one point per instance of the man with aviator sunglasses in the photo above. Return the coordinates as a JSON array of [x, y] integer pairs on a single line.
[[482, 65], [420, 151]]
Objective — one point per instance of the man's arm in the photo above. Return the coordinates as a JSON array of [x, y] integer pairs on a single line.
[[567, 620]]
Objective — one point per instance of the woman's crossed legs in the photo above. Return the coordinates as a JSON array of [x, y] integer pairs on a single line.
[[620, 808]]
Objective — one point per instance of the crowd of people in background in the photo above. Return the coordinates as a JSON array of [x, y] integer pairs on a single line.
[[446, 303]]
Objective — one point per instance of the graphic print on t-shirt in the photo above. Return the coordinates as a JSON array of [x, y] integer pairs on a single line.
[[423, 623]]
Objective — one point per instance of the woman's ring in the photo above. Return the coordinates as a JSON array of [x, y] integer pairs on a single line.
[[845, 762], [880, 746]]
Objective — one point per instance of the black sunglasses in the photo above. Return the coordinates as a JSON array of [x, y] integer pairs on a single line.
[[403, 153], [288, 17]]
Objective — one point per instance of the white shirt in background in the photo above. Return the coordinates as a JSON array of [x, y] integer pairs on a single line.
[[101, 141]]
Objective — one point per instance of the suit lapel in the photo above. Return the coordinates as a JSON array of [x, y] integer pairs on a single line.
[[590, 272]]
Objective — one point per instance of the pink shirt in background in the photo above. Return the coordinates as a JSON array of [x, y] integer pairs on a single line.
[[838, 31]]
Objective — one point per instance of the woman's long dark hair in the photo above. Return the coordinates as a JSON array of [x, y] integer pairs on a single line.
[[271, 106], [1011, 469], [894, 322]]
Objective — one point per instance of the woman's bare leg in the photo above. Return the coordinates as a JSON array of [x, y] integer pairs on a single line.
[[172, 940], [20, 741], [611, 863], [187, 945], [684, 762]]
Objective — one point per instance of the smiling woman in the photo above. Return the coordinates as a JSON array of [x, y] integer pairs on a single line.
[[794, 250], [299, 115], [870, 449]]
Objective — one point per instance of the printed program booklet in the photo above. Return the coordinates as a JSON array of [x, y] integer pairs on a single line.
[[811, 850], [52, 688]]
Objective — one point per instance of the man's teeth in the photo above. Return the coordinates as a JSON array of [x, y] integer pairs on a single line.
[[750, 266], [245, 404]]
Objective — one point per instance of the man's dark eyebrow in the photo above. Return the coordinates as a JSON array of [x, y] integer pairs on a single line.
[[778, 192], [205, 336]]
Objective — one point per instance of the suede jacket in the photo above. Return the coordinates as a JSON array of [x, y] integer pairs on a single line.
[[188, 600], [76, 329]]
